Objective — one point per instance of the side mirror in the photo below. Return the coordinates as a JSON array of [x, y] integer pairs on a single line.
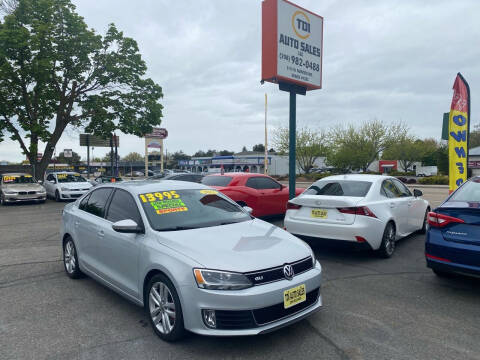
[[417, 193], [52, 181], [248, 209], [126, 226]]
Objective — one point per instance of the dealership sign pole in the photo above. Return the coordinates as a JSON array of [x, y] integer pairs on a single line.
[[292, 51]]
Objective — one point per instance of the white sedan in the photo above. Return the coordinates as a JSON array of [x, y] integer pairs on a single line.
[[368, 210]]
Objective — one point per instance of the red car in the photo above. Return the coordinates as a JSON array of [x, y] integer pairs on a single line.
[[263, 194]]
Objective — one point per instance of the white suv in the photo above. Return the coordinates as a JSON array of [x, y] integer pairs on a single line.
[[66, 185]]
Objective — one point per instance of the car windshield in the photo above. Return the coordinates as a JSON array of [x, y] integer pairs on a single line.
[[215, 180], [18, 179], [339, 188], [189, 209], [66, 178], [470, 192]]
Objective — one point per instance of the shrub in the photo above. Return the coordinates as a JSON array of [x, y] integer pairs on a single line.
[[411, 181], [402, 179], [434, 180]]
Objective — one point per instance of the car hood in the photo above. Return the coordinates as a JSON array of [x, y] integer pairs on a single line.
[[23, 187], [242, 247], [76, 185]]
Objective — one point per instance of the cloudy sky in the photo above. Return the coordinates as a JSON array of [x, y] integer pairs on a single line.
[[390, 60]]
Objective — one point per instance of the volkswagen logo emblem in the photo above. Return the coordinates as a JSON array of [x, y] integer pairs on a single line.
[[288, 272]]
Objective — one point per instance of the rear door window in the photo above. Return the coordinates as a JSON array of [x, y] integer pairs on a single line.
[[402, 188], [390, 190], [97, 201], [216, 180], [339, 188]]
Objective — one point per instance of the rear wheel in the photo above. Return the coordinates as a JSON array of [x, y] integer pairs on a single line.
[[387, 247], [70, 259], [164, 309]]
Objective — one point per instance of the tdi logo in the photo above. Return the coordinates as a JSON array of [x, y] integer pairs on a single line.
[[301, 24]]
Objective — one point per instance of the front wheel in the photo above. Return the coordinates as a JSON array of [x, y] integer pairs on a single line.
[[423, 230], [57, 196], [387, 247], [164, 309], [2, 200]]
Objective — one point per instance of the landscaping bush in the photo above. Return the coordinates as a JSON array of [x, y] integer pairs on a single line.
[[434, 180], [411, 181], [402, 179]]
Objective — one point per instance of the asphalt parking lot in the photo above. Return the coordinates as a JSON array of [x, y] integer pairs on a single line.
[[373, 308]]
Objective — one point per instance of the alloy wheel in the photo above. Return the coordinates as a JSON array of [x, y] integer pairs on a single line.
[[69, 257], [162, 308], [390, 240]]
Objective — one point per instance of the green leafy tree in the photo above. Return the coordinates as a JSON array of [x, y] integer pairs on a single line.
[[133, 157], [56, 72], [355, 148], [74, 160], [258, 148], [310, 145]]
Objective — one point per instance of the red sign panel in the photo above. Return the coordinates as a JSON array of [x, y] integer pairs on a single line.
[[292, 44], [159, 133]]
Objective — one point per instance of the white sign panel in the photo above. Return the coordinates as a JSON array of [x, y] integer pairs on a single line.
[[299, 46], [68, 153]]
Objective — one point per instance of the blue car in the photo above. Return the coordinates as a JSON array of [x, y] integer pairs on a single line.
[[453, 236]]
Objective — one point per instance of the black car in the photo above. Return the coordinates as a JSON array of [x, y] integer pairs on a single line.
[[197, 178]]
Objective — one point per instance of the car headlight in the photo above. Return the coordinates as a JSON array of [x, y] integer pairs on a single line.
[[220, 280], [64, 189], [9, 192]]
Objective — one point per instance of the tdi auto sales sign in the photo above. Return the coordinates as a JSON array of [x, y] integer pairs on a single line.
[[292, 44]]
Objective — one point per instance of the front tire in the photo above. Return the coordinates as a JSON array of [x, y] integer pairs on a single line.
[[163, 309], [57, 196], [423, 230], [70, 259], [2, 200], [387, 247]]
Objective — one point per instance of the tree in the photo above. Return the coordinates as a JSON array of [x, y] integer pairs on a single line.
[[74, 160], [356, 148], [55, 72], [310, 145], [225, 153], [259, 148], [133, 157], [244, 148], [201, 153]]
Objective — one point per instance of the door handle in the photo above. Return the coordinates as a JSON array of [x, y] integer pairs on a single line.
[[101, 233], [77, 223], [392, 205]]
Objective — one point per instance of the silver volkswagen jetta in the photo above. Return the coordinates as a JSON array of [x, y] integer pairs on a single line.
[[192, 257]]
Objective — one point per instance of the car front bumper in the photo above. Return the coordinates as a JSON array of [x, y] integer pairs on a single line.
[[371, 229], [260, 299], [14, 198], [66, 195]]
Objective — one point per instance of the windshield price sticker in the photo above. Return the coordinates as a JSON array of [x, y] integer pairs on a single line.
[[169, 206], [62, 176], [149, 197], [9, 178], [209, 192]]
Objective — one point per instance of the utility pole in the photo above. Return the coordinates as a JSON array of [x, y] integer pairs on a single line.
[[265, 165]]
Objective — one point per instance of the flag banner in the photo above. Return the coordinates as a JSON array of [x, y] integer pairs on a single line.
[[458, 131]]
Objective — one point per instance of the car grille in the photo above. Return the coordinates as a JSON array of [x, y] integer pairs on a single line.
[[248, 319], [75, 195], [276, 273], [234, 320], [276, 312]]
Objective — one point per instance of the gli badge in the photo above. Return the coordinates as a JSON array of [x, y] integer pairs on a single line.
[[288, 272]]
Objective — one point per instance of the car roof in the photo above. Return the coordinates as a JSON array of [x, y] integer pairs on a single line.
[[15, 174], [357, 177], [146, 186], [239, 174]]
